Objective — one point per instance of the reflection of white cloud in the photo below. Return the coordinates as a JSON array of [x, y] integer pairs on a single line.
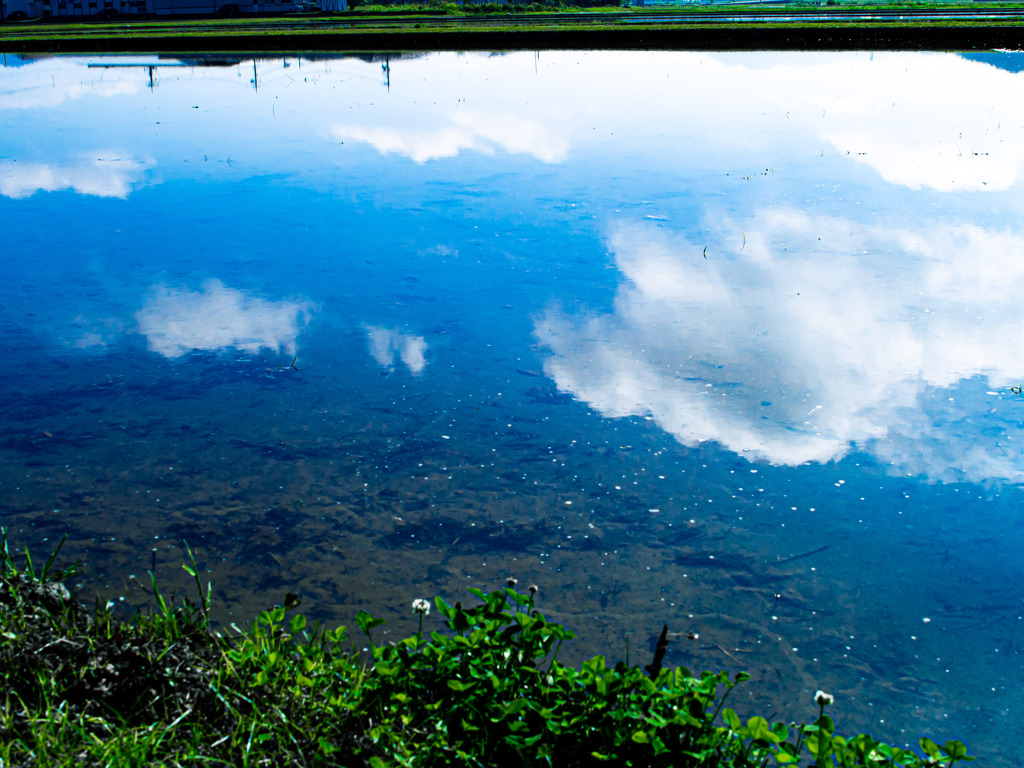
[[175, 322], [53, 81], [515, 135], [927, 161], [479, 131], [965, 433], [928, 120], [931, 121], [934, 124], [919, 120], [103, 175], [88, 334], [806, 339], [387, 344]]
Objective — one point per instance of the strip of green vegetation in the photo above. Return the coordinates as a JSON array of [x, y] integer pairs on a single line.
[[507, 31], [369, 11], [137, 34], [83, 688]]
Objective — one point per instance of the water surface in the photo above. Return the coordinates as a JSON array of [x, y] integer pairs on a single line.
[[728, 342]]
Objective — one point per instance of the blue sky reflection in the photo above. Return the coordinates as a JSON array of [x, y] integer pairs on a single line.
[[844, 310], [863, 262], [922, 121], [520, 287]]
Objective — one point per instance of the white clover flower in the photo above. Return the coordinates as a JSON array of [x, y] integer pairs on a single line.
[[421, 606], [823, 699]]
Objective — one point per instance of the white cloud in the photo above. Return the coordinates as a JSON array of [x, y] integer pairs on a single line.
[[390, 344], [49, 82], [813, 338], [101, 173], [87, 333], [920, 121], [462, 130], [938, 122], [515, 134], [176, 322]]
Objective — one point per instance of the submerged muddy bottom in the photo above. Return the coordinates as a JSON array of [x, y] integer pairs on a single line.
[[292, 481]]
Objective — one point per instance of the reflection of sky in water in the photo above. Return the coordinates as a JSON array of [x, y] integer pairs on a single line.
[[101, 176], [551, 311], [810, 337], [176, 322], [389, 344], [478, 131]]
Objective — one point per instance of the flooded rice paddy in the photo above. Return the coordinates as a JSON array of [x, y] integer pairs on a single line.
[[728, 342]]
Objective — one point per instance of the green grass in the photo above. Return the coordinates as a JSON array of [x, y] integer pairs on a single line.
[[438, 24], [82, 688]]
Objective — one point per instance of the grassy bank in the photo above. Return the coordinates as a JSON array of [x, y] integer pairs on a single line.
[[537, 27], [81, 687], [809, 37]]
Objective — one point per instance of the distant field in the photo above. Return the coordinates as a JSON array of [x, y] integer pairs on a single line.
[[722, 26]]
